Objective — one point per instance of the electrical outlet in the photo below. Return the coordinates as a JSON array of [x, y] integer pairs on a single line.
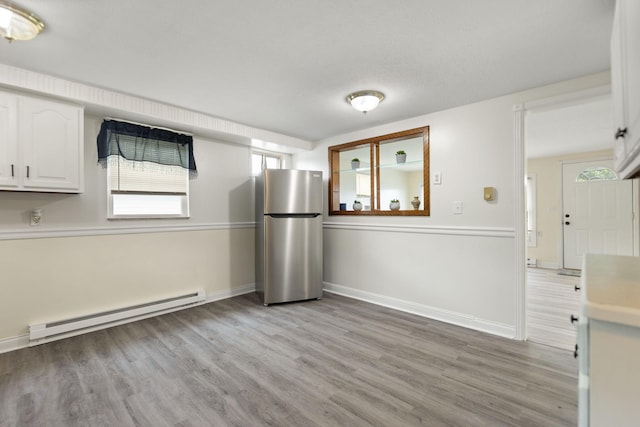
[[457, 208], [36, 217]]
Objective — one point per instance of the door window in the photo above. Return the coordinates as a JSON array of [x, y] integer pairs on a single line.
[[599, 173]]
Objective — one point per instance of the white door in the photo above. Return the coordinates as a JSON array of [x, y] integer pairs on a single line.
[[598, 212]]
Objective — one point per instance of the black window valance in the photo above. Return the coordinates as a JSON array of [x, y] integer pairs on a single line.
[[145, 144]]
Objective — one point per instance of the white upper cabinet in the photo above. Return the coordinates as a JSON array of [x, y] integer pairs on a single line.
[[625, 80], [8, 140], [41, 146]]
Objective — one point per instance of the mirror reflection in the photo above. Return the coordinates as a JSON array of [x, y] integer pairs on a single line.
[[385, 175], [401, 173], [355, 179]]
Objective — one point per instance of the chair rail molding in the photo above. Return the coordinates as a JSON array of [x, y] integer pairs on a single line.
[[133, 229], [423, 229]]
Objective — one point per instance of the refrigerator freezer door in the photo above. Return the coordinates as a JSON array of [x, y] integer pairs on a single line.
[[292, 191], [292, 259]]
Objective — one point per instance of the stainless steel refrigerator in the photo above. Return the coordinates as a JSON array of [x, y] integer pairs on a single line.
[[288, 235]]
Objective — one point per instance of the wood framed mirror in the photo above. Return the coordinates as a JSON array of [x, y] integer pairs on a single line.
[[385, 175]]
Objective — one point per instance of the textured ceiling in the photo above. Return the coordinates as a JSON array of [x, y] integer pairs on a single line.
[[567, 129], [286, 66]]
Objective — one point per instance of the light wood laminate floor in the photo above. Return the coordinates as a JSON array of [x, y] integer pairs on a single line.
[[333, 362], [551, 300]]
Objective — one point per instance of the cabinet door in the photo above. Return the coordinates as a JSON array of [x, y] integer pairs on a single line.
[[625, 79], [8, 141], [614, 374], [51, 144]]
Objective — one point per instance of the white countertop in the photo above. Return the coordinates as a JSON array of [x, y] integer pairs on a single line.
[[611, 288]]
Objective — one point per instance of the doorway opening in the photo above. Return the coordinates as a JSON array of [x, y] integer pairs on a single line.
[[571, 128]]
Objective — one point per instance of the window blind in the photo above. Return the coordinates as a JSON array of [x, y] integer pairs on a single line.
[[128, 176]]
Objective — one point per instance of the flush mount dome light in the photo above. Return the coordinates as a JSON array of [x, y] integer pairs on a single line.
[[365, 100], [16, 24]]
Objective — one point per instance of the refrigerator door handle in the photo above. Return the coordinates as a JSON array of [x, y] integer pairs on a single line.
[[293, 215]]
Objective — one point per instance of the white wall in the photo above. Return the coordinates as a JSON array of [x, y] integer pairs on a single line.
[[459, 268], [78, 262]]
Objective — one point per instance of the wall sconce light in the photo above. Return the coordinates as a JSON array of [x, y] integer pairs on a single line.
[[17, 24], [365, 100]]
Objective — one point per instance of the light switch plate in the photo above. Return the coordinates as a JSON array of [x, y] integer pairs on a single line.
[[457, 208], [437, 178]]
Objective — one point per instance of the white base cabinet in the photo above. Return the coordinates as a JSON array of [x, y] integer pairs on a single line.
[[613, 382], [609, 342], [41, 145]]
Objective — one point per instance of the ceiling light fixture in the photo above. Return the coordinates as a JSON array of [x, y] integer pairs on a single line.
[[16, 24], [365, 100]]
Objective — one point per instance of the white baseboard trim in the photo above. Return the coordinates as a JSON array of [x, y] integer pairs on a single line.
[[22, 341], [549, 265], [495, 328], [14, 343], [230, 293]]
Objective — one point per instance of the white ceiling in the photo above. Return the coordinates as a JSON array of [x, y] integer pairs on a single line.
[[286, 66], [575, 128]]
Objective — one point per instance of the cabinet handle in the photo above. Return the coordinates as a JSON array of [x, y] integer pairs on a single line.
[[567, 223], [12, 175], [574, 318], [575, 352], [27, 171], [576, 288], [620, 133]]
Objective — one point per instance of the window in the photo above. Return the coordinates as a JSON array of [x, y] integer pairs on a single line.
[[596, 174], [148, 170], [263, 160], [145, 189], [532, 231]]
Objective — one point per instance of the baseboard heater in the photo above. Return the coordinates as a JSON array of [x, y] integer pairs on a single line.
[[51, 331]]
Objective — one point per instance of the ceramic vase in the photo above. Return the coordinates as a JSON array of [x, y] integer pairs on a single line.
[[416, 203]]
